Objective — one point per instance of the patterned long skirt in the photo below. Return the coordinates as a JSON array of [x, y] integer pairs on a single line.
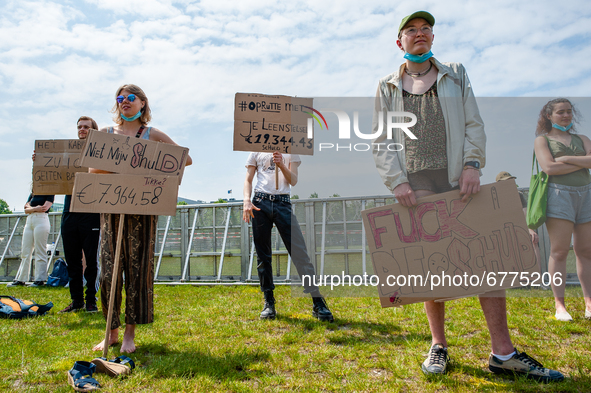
[[136, 263]]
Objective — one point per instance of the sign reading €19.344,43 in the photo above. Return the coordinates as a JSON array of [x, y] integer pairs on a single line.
[[266, 123]]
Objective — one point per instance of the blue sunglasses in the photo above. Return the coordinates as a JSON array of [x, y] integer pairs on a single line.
[[130, 98]]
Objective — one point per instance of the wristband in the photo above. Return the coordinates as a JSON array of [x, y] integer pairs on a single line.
[[473, 164]]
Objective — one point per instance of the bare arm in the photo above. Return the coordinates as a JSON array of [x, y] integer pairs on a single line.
[[247, 206], [405, 195], [580, 161], [469, 183], [159, 136], [534, 236], [547, 162], [289, 172], [38, 209]]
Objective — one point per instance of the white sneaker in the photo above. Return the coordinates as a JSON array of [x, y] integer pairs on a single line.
[[587, 314], [563, 316]]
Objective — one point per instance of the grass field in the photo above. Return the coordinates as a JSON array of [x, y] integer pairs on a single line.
[[210, 339]]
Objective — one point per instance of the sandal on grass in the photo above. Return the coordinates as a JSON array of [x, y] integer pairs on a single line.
[[80, 377], [121, 365]]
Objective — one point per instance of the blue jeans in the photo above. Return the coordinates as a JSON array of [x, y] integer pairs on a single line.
[[278, 211]]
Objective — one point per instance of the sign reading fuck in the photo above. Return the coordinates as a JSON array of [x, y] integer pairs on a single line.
[[444, 248]]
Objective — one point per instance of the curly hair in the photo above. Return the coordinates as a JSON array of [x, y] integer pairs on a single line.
[[545, 125], [139, 93]]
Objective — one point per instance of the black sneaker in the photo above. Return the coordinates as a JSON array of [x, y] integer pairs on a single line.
[[72, 308], [37, 284], [523, 364], [436, 362], [91, 307], [16, 283]]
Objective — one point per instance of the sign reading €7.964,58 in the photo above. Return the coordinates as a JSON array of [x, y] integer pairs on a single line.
[[146, 179], [266, 123]]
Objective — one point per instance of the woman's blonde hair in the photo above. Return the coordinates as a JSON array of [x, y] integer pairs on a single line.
[[139, 93]]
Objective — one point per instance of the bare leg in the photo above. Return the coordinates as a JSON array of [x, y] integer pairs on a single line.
[[113, 339], [582, 248], [436, 315], [435, 310], [494, 307], [128, 345], [560, 232]]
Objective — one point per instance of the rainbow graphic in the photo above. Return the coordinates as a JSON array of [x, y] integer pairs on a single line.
[[316, 117]]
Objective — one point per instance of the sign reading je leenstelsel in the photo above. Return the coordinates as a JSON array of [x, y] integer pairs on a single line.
[[146, 179], [481, 245], [268, 123]]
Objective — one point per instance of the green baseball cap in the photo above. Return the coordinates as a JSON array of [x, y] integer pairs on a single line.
[[419, 14]]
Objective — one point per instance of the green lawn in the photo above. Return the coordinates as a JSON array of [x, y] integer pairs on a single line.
[[210, 339]]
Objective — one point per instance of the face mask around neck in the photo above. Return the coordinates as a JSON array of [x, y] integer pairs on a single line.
[[137, 115], [418, 58], [561, 128]]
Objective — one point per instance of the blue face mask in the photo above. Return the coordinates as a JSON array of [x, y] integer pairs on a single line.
[[418, 59], [561, 128], [137, 115]]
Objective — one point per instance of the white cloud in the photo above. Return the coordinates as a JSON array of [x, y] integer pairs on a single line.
[[64, 59], [144, 8]]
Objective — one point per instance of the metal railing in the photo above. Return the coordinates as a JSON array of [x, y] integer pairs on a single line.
[[211, 243]]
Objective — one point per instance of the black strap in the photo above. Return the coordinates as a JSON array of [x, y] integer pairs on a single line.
[[139, 132]]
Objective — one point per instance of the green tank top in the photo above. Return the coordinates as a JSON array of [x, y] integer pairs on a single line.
[[576, 148]]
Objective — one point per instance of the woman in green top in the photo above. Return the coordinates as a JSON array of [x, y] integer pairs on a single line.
[[566, 158]]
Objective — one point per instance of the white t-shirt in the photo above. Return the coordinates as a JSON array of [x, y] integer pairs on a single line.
[[266, 172]]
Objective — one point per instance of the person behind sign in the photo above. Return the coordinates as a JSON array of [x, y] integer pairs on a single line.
[[273, 206], [80, 234], [534, 235], [566, 159], [35, 236], [132, 114], [448, 153]]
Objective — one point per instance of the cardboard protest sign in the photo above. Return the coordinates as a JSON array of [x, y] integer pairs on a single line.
[[128, 194], [129, 155], [56, 163], [444, 248], [264, 123]]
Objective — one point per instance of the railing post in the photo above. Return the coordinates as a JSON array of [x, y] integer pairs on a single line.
[[244, 250], [9, 241], [162, 248], [184, 234], [310, 232], [225, 241]]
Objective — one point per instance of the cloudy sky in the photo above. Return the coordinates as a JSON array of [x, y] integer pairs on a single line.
[[63, 59]]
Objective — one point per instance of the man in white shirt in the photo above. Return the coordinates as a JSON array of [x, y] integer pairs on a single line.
[[272, 206]]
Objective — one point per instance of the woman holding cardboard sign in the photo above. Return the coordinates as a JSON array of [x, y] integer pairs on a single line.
[[132, 114], [566, 158]]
